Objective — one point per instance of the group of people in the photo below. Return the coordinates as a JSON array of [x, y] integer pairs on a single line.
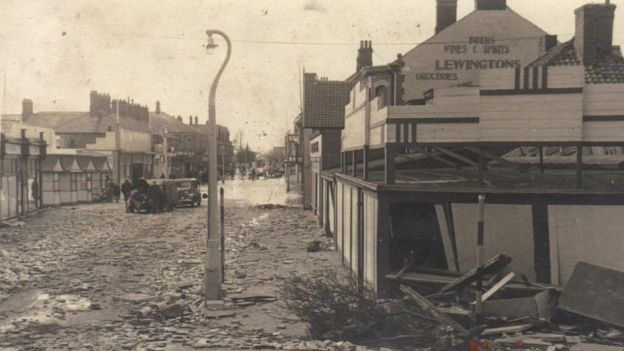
[[137, 195]]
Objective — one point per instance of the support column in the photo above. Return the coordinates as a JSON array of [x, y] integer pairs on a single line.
[[541, 159], [326, 196], [389, 170], [354, 163], [481, 167], [365, 156], [541, 243], [383, 244], [343, 162], [579, 166]]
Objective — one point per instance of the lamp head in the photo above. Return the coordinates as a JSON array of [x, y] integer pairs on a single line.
[[210, 45]]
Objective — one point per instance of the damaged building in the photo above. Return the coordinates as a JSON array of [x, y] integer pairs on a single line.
[[490, 105]]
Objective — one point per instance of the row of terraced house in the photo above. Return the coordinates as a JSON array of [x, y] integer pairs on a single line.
[[392, 159], [67, 157]]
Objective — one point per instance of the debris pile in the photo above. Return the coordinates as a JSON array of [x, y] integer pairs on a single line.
[[12, 274], [516, 314], [338, 308]]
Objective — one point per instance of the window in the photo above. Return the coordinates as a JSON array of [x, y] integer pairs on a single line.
[[382, 96], [315, 146]]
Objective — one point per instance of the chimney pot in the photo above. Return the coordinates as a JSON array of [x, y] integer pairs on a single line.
[[27, 108], [365, 55], [446, 14], [190, 120], [196, 122], [491, 4], [594, 32], [551, 41], [157, 106]]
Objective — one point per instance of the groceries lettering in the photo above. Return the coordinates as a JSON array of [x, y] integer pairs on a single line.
[[475, 46]]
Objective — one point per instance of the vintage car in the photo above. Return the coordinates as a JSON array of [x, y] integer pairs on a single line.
[[188, 192], [139, 200]]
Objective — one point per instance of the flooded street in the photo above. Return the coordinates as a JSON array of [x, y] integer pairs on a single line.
[[92, 277]]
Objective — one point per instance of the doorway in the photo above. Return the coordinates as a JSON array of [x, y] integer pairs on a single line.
[[415, 237]]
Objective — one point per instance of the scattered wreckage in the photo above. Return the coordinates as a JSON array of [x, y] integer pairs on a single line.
[[517, 314]]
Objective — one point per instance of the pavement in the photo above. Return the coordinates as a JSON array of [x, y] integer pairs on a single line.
[[92, 277]]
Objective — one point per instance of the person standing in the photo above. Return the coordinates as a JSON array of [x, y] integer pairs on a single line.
[[126, 188], [154, 196]]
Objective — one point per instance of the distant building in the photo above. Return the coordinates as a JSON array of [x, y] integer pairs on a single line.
[[185, 145], [322, 121], [118, 129], [225, 153]]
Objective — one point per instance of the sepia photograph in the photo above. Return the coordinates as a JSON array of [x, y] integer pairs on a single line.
[[312, 175]]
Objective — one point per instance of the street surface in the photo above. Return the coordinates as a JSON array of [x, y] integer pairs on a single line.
[[91, 277]]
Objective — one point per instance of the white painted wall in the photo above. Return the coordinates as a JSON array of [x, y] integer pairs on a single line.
[[370, 239], [508, 230], [593, 234], [481, 35]]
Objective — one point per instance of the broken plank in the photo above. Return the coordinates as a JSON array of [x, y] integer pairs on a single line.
[[497, 287], [512, 329], [494, 265], [430, 308], [595, 347]]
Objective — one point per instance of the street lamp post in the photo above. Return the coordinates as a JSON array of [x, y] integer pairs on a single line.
[[163, 133], [212, 264]]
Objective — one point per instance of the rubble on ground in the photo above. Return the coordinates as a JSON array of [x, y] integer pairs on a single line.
[[518, 314], [134, 282]]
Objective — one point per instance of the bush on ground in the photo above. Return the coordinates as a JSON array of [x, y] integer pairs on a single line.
[[335, 308]]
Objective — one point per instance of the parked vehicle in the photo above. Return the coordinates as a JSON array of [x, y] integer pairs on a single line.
[[164, 200], [138, 202], [187, 192]]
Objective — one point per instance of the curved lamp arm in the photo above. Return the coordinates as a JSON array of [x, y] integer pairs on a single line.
[[215, 82]]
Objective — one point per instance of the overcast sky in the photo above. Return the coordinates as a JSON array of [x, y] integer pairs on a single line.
[[56, 51]]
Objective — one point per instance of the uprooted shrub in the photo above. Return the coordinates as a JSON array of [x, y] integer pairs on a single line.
[[334, 308]]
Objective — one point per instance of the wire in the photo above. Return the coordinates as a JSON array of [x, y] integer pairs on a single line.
[[313, 43]]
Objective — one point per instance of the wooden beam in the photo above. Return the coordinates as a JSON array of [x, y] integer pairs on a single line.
[[492, 156], [498, 286], [541, 158], [389, 170], [513, 329], [456, 156], [354, 163], [435, 157], [430, 308], [481, 167], [541, 243], [383, 257], [494, 265], [579, 167], [365, 157]]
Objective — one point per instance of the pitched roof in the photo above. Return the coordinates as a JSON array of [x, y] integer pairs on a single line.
[[324, 103], [83, 122], [609, 70], [160, 120], [53, 120]]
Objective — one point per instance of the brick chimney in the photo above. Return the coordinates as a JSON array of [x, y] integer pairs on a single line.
[[27, 108], [550, 41], [365, 54], [191, 120], [446, 11], [196, 123], [594, 31], [157, 107], [491, 5]]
